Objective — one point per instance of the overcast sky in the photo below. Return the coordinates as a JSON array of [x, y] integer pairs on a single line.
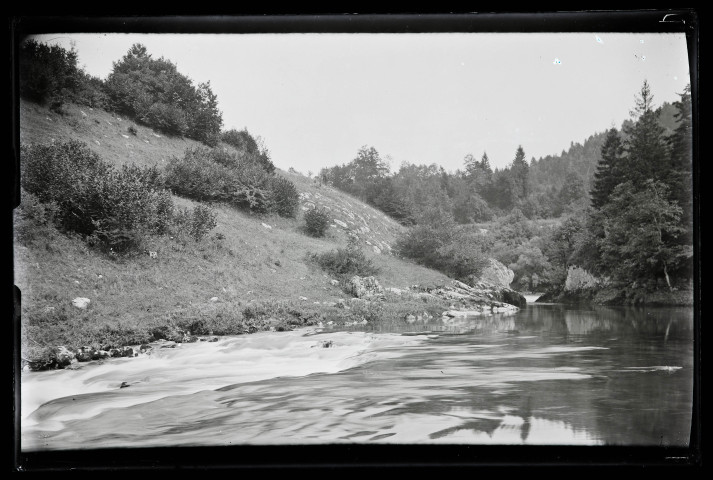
[[315, 99]]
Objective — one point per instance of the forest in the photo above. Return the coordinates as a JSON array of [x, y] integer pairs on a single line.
[[615, 210]]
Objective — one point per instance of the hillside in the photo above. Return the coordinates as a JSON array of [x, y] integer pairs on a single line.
[[250, 268]]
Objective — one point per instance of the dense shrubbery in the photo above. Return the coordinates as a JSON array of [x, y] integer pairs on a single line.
[[50, 75], [345, 262], [113, 208], [217, 174], [438, 242], [244, 142], [156, 94], [316, 222]]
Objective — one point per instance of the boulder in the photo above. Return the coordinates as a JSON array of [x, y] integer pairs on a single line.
[[363, 287], [497, 274]]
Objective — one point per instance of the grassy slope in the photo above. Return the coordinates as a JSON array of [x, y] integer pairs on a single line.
[[252, 263]]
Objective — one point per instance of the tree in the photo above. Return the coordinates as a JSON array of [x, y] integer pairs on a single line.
[[572, 195], [48, 73], [647, 156], [156, 94], [609, 169], [519, 176], [681, 144], [640, 232]]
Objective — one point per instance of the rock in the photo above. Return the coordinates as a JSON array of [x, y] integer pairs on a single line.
[[513, 298], [303, 298], [63, 356], [362, 287], [100, 354], [497, 273], [340, 223], [376, 249], [334, 282], [81, 302], [84, 354], [128, 352], [213, 299], [267, 226]]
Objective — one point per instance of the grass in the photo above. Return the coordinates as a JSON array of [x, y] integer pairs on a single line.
[[248, 263]]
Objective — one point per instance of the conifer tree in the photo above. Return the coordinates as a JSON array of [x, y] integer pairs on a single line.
[[681, 142], [646, 149], [609, 169]]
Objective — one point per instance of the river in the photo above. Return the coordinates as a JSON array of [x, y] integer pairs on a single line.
[[548, 374]]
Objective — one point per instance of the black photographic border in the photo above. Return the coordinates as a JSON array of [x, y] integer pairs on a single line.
[[359, 456]]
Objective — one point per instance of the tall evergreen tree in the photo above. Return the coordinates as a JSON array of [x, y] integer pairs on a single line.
[[646, 148], [609, 169], [681, 142], [519, 176]]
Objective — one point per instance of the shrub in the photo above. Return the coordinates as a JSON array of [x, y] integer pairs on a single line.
[[218, 175], [579, 279], [196, 223], [345, 262], [166, 118], [442, 245], [115, 209], [132, 130], [283, 196], [251, 147], [317, 222]]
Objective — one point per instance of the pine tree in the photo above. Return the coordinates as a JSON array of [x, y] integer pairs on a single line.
[[609, 169], [519, 176], [485, 163], [646, 148], [681, 142]]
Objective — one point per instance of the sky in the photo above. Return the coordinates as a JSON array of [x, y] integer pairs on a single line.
[[315, 99]]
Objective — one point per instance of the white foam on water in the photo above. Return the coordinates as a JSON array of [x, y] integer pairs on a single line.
[[190, 368]]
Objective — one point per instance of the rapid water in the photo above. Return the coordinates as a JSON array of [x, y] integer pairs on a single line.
[[549, 374]]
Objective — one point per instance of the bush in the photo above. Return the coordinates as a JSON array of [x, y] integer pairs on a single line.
[[345, 262], [579, 279], [218, 175], [317, 222], [442, 245], [166, 118], [284, 197], [197, 223], [114, 209]]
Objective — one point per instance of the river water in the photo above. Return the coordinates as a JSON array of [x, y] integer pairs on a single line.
[[548, 374]]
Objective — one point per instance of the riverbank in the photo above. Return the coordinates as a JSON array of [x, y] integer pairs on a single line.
[[393, 306], [624, 296], [252, 273]]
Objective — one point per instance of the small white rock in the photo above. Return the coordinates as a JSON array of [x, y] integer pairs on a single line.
[[214, 299], [81, 302], [267, 226]]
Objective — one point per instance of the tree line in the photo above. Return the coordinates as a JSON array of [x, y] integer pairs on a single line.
[[622, 204]]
